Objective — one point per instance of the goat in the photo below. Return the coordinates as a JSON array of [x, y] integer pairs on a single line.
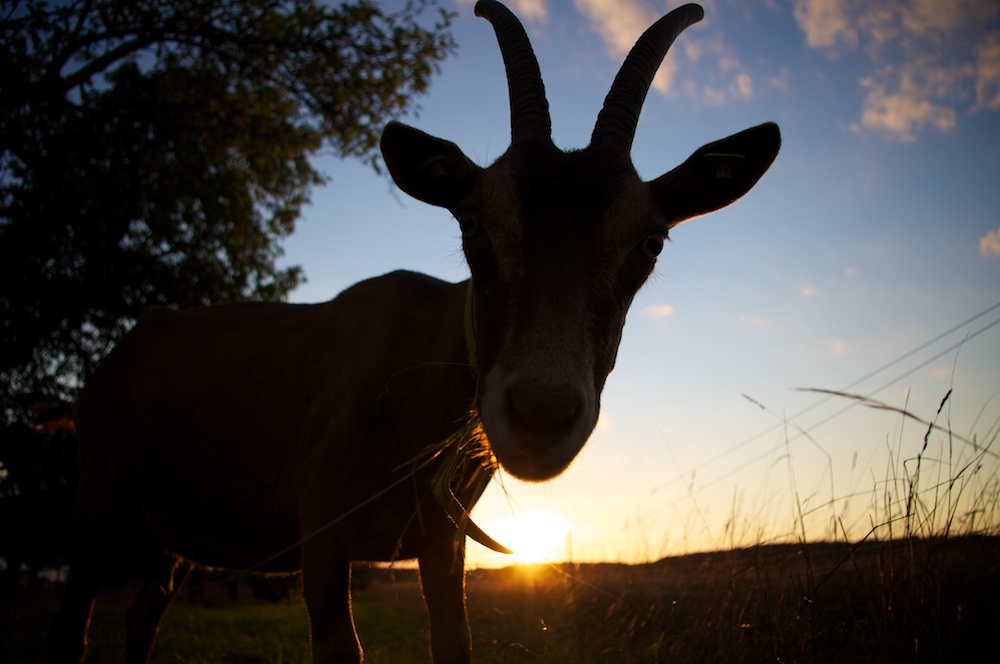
[[286, 437]]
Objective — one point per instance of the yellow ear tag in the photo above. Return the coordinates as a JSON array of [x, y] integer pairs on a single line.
[[433, 168], [725, 164]]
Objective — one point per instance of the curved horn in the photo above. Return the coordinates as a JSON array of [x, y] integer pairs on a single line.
[[529, 110], [617, 121]]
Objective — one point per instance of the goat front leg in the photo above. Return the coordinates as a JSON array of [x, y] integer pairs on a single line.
[[326, 587], [442, 577], [144, 614]]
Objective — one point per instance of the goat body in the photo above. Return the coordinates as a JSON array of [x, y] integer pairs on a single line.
[[251, 435], [281, 437], [263, 399]]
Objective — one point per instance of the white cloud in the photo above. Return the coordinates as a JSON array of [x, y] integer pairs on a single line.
[[901, 114], [742, 86], [693, 49], [943, 373], [730, 79], [988, 73], [530, 10], [728, 63], [930, 59], [712, 96], [526, 10], [989, 244], [924, 16], [657, 311], [706, 95], [825, 23], [619, 23], [780, 81]]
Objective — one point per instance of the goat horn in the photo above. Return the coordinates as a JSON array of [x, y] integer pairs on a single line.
[[529, 109], [617, 121]]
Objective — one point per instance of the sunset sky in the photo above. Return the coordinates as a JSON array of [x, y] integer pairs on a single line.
[[876, 232]]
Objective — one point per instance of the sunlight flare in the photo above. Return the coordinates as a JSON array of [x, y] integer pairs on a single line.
[[535, 537]]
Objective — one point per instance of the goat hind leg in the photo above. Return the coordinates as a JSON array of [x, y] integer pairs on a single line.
[[70, 629], [143, 616]]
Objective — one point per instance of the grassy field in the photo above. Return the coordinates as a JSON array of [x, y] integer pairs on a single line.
[[914, 600], [923, 585]]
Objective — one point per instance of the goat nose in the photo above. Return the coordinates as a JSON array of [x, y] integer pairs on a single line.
[[540, 411]]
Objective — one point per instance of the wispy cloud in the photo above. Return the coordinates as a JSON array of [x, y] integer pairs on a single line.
[[729, 79], [825, 23], [657, 311], [901, 114], [943, 373], [530, 10], [743, 85], [526, 10], [929, 58], [619, 23], [988, 73], [989, 244], [779, 81], [705, 94]]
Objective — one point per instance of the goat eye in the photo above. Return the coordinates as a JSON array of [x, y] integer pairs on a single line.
[[468, 225], [651, 246]]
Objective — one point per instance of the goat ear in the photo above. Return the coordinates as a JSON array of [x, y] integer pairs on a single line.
[[717, 174], [430, 169]]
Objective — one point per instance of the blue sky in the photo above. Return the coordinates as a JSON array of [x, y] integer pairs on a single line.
[[876, 230]]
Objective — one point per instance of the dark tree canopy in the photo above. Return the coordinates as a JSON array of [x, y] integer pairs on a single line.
[[157, 151]]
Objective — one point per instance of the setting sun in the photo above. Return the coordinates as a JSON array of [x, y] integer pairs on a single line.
[[533, 536]]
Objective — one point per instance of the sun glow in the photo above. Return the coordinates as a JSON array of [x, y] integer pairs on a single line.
[[534, 537]]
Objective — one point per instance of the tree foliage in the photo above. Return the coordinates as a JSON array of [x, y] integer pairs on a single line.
[[157, 151]]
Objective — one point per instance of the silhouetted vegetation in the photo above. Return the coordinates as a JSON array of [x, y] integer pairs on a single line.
[[156, 152], [922, 586], [913, 600]]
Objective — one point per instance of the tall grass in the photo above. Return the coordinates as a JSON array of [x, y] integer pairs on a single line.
[[920, 583]]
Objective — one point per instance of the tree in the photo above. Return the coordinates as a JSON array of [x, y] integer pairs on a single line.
[[157, 151]]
